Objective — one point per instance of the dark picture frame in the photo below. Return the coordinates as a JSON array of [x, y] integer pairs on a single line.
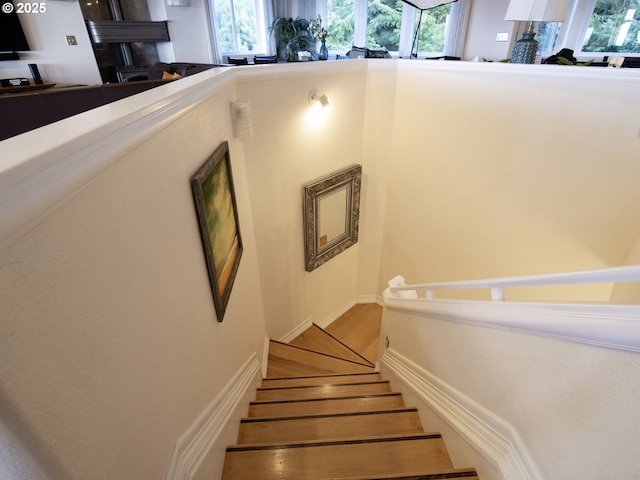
[[217, 213], [331, 209]]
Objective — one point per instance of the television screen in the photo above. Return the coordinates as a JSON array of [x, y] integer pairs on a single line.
[[12, 37]]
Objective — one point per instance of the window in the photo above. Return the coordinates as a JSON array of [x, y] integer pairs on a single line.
[[598, 28], [239, 26], [547, 36], [614, 27], [341, 17], [433, 29], [391, 25], [384, 22]]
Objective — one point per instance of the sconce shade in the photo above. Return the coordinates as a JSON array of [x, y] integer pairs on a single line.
[[322, 99], [537, 10]]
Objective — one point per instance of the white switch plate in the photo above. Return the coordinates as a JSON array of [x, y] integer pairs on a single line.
[[502, 37]]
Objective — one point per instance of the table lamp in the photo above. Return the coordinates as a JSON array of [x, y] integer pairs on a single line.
[[525, 49]]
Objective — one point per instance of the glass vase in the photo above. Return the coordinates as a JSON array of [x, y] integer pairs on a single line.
[[324, 52]]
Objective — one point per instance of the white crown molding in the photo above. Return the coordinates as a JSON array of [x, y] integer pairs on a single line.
[[493, 437], [196, 443]]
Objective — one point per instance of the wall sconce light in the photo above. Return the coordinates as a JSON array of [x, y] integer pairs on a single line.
[[242, 122], [323, 100]]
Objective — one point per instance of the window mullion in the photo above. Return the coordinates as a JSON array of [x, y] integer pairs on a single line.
[[407, 30], [234, 33], [360, 27], [574, 28]]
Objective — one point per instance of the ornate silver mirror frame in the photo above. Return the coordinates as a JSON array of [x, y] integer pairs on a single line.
[[331, 214]]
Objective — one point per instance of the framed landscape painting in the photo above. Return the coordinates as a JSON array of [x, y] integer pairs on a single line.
[[217, 214]]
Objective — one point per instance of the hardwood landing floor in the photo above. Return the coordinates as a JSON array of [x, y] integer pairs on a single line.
[[359, 328]]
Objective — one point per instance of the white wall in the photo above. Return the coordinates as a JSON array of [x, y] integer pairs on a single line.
[[485, 21], [110, 347], [623, 292], [573, 405], [490, 172], [57, 62], [496, 173], [188, 31], [295, 144]]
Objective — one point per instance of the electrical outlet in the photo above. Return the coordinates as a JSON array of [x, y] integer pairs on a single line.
[[71, 40], [502, 37]]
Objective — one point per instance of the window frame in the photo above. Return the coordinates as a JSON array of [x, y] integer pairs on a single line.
[[262, 40], [573, 32], [454, 36]]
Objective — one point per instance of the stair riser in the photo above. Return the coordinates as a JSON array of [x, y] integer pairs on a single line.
[[336, 460], [327, 391], [334, 427], [320, 380], [338, 405]]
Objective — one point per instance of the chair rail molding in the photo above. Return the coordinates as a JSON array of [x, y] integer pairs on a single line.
[[494, 438], [196, 443]]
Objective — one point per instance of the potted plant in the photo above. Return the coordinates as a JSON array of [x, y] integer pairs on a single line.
[[292, 36]]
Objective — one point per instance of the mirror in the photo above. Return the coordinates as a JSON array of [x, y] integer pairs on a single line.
[[331, 213]]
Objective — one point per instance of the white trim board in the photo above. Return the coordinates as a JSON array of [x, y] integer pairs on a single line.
[[604, 325], [494, 438], [197, 442], [332, 317]]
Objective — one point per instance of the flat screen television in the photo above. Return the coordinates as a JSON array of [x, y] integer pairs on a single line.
[[12, 38]]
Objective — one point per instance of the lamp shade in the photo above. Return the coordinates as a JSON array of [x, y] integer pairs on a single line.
[[427, 4], [537, 10]]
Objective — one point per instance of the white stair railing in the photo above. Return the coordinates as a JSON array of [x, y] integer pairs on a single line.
[[603, 324], [497, 285]]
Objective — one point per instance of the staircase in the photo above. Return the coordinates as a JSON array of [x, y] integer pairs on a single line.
[[324, 413]]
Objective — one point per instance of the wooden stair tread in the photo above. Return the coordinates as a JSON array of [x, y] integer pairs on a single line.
[[359, 328], [318, 427], [322, 391], [291, 361], [325, 405], [322, 460], [319, 340], [467, 473], [323, 412], [321, 379]]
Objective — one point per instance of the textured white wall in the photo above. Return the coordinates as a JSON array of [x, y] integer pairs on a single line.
[[499, 171], [110, 347], [573, 405], [295, 144]]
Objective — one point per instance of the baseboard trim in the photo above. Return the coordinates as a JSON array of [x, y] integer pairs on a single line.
[[297, 331], [332, 317], [196, 443], [494, 438]]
